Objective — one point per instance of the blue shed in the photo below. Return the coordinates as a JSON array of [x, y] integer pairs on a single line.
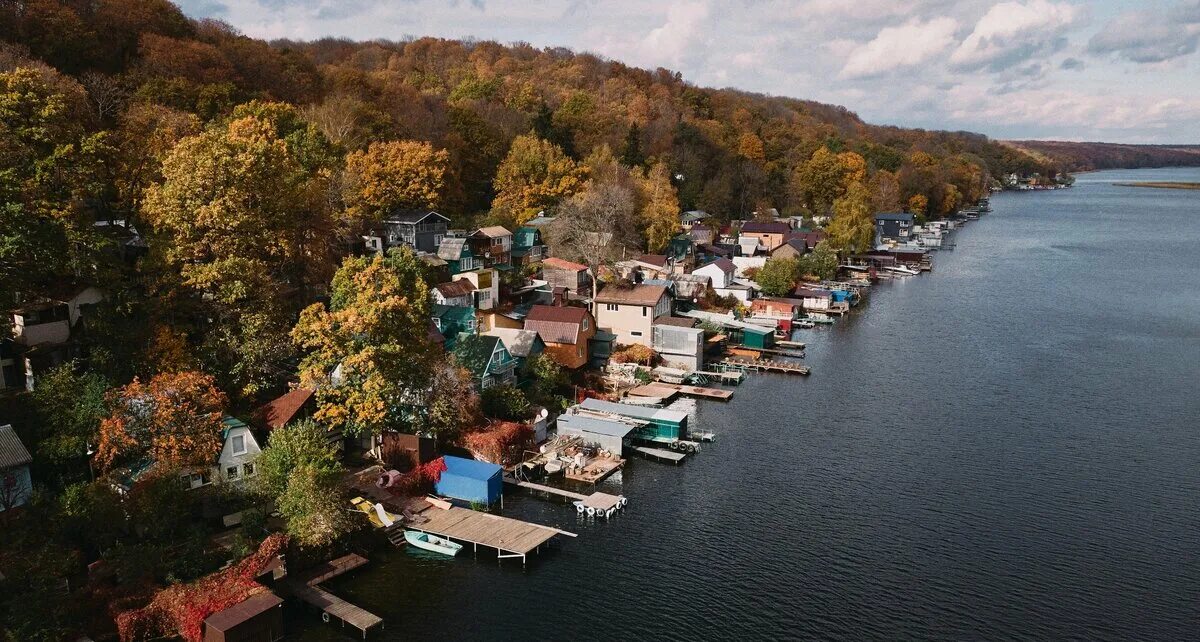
[[470, 480]]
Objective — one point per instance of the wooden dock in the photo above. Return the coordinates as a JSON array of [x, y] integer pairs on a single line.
[[600, 502], [668, 391], [510, 537], [661, 454], [768, 365], [305, 588]]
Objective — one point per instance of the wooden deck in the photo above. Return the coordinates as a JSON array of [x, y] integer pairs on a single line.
[[305, 587], [699, 391], [599, 501], [510, 537], [664, 391], [768, 365], [661, 454]]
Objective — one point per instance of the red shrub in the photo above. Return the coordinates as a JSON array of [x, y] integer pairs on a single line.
[[503, 442], [420, 480]]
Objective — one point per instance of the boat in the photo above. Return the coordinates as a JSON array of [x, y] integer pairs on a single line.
[[379, 517], [432, 542], [803, 323], [824, 320], [898, 269]]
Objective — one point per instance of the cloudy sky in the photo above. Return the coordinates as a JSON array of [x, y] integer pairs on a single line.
[[1111, 70]]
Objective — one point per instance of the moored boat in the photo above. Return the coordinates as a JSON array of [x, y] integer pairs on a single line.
[[433, 543]]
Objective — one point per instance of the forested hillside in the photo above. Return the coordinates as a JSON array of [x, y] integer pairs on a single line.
[[1078, 157]]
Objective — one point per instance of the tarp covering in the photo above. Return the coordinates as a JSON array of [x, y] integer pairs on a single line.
[[470, 480]]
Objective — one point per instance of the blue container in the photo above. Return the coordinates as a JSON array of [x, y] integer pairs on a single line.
[[470, 480]]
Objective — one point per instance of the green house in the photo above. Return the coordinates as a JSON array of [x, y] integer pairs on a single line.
[[457, 254], [658, 424], [453, 320], [758, 338], [487, 359], [681, 247], [527, 246]]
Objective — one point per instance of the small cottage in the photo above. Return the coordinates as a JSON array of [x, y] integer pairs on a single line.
[[487, 359], [766, 235], [567, 274], [457, 293], [523, 345], [493, 244], [452, 321], [15, 481], [629, 312], [566, 332]]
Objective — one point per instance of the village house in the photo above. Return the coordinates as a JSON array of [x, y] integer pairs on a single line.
[[42, 335], [560, 273], [453, 320], [690, 287], [523, 345], [457, 254], [791, 249], [766, 236], [457, 293], [691, 218], [702, 234], [567, 332], [723, 273], [236, 463], [488, 360], [629, 312], [421, 230], [527, 246], [893, 226], [810, 237], [15, 482], [493, 244], [646, 267], [813, 299], [679, 343], [776, 308], [486, 282]]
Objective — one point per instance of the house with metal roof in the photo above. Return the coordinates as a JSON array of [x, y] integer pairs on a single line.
[[470, 480], [493, 244], [893, 225], [457, 253], [460, 292], [565, 330], [487, 359], [660, 424], [452, 321], [527, 246], [608, 434], [422, 230], [523, 345], [629, 312], [15, 481]]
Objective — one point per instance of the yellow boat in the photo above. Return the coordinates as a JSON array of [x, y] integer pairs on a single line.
[[375, 512]]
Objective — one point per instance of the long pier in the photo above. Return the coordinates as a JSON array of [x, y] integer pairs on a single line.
[[601, 503], [768, 365], [510, 537], [305, 588]]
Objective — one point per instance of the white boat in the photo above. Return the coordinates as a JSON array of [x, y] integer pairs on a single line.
[[431, 542], [905, 271]]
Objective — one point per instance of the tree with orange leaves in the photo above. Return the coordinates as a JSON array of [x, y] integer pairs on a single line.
[[174, 419]]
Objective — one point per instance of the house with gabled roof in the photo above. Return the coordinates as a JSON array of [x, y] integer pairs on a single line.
[[523, 345], [527, 246], [493, 244], [629, 312], [16, 485], [574, 277], [460, 292], [767, 235], [457, 253], [566, 330], [452, 321], [237, 461], [487, 359], [421, 230]]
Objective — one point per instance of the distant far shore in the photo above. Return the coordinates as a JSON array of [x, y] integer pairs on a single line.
[[1161, 184]]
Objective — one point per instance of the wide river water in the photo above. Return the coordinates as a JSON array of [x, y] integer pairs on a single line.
[[1005, 448]]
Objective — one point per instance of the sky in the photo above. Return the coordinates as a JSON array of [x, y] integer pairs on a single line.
[[1105, 70]]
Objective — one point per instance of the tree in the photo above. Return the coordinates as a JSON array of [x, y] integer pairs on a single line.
[[778, 276], [547, 381], [631, 149], [399, 174], [507, 403], [885, 192], [313, 506], [368, 354], [241, 220], [660, 209], [818, 181], [50, 170], [917, 204], [174, 419], [594, 226], [301, 443], [454, 404], [69, 404], [853, 225], [822, 261], [146, 133], [535, 175]]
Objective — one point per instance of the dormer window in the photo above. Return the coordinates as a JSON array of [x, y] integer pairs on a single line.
[[239, 445]]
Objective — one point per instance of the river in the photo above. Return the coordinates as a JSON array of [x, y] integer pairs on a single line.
[[1004, 448]]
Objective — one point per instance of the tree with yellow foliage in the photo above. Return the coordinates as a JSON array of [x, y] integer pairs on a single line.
[[535, 175], [853, 225], [401, 174], [660, 207], [917, 204]]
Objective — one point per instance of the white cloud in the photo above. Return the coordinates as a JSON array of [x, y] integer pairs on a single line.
[[1150, 36], [667, 45], [1011, 32], [894, 48]]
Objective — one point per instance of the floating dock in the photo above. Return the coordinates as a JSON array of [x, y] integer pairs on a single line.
[[511, 538], [768, 365], [305, 588], [660, 454]]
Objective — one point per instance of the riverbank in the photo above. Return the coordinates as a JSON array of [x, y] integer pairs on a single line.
[[1161, 185]]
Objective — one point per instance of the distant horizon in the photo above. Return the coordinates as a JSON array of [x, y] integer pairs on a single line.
[[1115, 71]]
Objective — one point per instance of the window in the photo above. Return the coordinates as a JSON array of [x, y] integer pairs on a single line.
[[635, 333], [645, 311], [612, 307], [585, 324], [239, 445], [247, 469], [231, 472]]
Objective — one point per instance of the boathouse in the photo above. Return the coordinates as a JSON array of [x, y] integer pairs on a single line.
[[470, 480], [758, 337], [603, 433], [660, 424], [259, 618]]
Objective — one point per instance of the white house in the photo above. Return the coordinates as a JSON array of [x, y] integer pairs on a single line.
[[487, 287], [236, 462], [460, 293], [723, 273]]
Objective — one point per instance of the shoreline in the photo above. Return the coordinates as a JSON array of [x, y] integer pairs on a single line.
[[1182, 185]]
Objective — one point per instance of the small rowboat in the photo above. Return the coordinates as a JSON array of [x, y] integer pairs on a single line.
[[433, 543]]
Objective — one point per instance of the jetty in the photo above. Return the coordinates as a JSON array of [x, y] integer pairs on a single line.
[[305, 588], [600, 503], [668, 391], [660, 454], [512, 538], [767, 365]]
